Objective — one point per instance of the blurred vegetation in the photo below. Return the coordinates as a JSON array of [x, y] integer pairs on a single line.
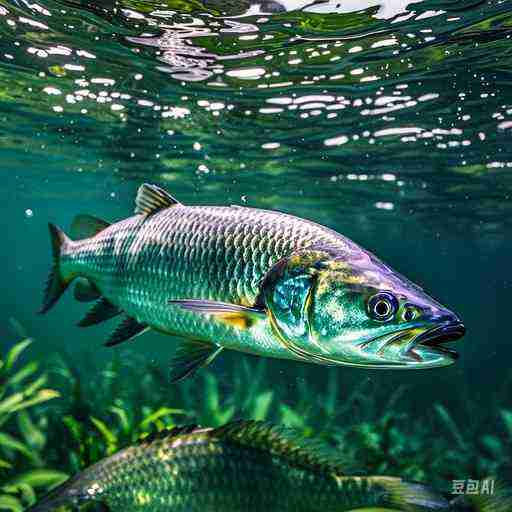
[[23, 441], [86, 414]]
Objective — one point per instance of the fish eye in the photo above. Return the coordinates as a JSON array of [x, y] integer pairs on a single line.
[[382, 306], [409, 314]]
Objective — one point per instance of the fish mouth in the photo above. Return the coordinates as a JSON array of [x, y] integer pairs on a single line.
[[415, 347], [428, 347]]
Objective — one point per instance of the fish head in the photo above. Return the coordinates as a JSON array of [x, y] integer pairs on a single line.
[[350, 308]]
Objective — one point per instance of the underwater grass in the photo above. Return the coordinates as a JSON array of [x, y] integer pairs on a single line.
[[56, 421], [23, 471]]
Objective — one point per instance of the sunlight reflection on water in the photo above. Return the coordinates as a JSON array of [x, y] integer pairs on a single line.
[[330, 89]]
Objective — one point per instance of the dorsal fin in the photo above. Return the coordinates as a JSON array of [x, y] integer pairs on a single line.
[[279, 441], [86, 226], [283, 442], [168, 433], [151, 199]]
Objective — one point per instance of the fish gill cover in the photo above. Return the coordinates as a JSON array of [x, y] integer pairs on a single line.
[[387, 121]]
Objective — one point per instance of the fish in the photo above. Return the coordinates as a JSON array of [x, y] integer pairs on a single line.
[[256, 281], [241, 466]]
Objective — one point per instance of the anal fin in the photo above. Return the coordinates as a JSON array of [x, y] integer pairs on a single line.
[[190, 356], [129, 328], [101, 311]]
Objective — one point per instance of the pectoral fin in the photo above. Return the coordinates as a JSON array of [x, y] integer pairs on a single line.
[[129, 328], [190, 356], [235, 315]]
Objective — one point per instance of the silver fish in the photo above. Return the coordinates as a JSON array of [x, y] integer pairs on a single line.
[[256, 281]]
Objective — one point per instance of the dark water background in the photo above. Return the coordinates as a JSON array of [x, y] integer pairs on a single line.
[[389, 121]]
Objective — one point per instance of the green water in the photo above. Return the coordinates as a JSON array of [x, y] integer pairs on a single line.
[[388, 121]]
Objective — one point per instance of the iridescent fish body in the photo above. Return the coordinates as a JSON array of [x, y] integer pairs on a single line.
[[256, 281], [240, 467]]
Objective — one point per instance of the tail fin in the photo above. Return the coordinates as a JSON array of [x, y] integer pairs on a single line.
[[56, 284]]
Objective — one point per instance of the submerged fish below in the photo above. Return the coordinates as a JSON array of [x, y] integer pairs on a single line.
[[242, 466], [256, 281], [246, 466]]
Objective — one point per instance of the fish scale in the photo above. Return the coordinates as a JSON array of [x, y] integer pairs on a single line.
[[240, 467], [256, 281], [215, 253]]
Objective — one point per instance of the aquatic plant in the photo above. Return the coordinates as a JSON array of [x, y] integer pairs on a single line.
[[93, 418], [372, 435], [23, 437]]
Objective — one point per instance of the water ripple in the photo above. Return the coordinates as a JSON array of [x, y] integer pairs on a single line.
[[334, 94]]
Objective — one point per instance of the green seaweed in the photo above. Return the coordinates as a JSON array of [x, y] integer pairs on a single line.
[[23, 472], [43, 439]]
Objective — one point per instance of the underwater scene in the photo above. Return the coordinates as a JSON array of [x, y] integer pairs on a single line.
[[277, 274]]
